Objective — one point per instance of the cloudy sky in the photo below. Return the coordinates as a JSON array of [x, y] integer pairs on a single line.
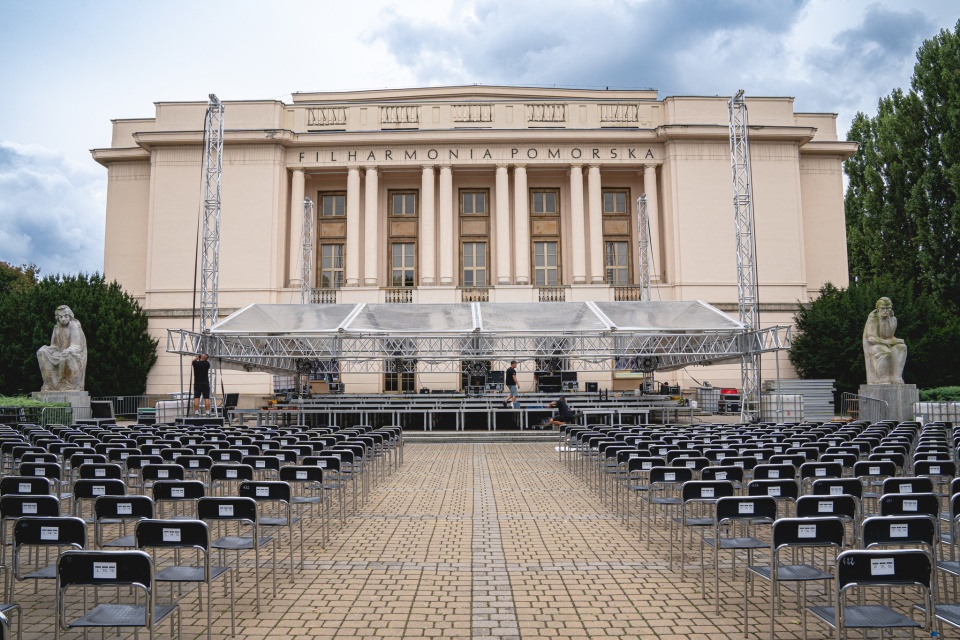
[[67, 67]]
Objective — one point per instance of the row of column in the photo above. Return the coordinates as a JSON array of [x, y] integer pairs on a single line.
[[431, 228]]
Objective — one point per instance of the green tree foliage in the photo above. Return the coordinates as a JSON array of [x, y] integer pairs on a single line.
[[902, 208], [120, 351], [829, 338]]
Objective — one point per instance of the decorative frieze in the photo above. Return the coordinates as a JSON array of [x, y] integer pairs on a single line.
[[400, 115], [546, 112], [472, 112], [619, 113], [325, 116]]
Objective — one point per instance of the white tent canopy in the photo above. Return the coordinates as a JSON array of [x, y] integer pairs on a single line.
[[440, 337]]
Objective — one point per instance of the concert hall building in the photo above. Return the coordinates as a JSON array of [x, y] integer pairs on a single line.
[[473, 194]]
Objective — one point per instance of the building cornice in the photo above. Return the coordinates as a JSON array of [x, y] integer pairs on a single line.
[[830, 148], [470, 92]]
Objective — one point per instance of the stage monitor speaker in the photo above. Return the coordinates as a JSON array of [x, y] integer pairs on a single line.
[[592, 387]]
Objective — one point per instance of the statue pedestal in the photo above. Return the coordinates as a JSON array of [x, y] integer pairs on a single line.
[[900, 399], [77, 399]]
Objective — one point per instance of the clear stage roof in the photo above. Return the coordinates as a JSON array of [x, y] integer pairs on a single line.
[[441, 337]]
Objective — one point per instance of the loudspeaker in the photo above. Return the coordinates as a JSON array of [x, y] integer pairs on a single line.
[[592, 387]]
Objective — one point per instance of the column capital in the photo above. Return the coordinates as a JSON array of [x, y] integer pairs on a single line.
[[430, 167], [502, 165], [520, 165], [370, 168]]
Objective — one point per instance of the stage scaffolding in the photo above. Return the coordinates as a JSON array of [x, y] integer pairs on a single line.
[[374, 338]]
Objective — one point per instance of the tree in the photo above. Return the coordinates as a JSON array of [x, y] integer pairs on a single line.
[[902, 210], [828, 342], [120, 351]]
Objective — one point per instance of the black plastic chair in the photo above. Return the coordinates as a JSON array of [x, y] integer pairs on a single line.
[[44, 532], [112, 569], [187, 534], [119, 510], [871, 569], [279, 495]]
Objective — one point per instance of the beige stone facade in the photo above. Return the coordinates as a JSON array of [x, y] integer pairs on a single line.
[[458, 194]]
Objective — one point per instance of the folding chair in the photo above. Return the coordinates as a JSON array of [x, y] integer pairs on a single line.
[[187, 534], [241, 512], [97, 569], [735, 510], [792, 534], [864, 570]]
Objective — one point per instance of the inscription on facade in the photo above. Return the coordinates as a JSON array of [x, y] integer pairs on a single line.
[[465, 155]]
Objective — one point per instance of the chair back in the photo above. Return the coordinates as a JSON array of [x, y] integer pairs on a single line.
[[152, 533], [19, 505]]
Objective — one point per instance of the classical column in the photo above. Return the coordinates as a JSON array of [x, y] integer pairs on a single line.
[[371, 225], [296, 226], [595, 209], [503, 225], [653, 215], [428, 236], [447, 235], [353, 227], [521, 225], [577, 227]]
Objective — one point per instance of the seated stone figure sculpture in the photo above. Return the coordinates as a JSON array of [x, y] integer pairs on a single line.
[[885, 355], [63, 364]]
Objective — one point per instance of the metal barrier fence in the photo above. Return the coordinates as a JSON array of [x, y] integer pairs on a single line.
[[937, 411], [63, 415], [857, 407], [126, 406]]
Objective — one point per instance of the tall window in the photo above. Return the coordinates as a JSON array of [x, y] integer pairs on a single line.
[[615, 202], [333, 204], [473, 203], [400, 378], [331, 266], [474, 264], [617, 262], [544, 202], [403, 260], [403, 203], [545, 270]]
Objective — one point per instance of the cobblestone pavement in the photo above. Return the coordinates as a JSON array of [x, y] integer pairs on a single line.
[[472, 541]]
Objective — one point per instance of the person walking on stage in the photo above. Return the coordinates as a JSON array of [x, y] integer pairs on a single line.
[[511, 380], [201, 383]]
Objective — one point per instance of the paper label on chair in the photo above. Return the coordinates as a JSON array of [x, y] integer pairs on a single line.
[[124, 509], [176, 492], [261, 464], [669, 477], [760, 457], [98, 490], [807, 531], [322, 464], [194, 464], [646, 466], [100, 473], [721, 475], [881, 567], [706, 492], [819, 471], [906, 487], [23, 487], [824, 506], [231, 473], [86, 461], [201, 451], [123, 455], [663, 451], [225, 510], [773, 491], [49, 533], [154, 452], [163, 473], [224, 456], [104, 570], [774, 474], [29, 507], [745, 507], [933, 457], [836, 490], [874, 471], [39, 471], [263, 492], [899, 530], [171, 535], [336, 455], [909, 505], [633, 456], [301, 475], [934, 470], [738, 463], [174, 455], [691, 464]]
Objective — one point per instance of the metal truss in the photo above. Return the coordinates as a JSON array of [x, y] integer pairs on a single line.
[[747, 286], [306, 254], [643, 245], [604, 351], [210, 214]]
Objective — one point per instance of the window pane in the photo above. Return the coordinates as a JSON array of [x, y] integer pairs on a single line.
[[467, 202], [537, 202], [550, 202], [621, 202], [607, 202], [481, 202], [408, 207]]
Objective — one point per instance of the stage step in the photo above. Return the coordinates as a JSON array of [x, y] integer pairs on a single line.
[[475, 437]]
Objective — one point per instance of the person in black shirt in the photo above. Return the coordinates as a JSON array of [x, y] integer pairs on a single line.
[[201, 383], [511, 380], [564, 413]]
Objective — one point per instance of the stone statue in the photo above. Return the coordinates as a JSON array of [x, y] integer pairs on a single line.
[[885, 355], [63, 364]]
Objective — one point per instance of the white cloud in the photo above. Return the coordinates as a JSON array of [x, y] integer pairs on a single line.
[[51, 210]]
